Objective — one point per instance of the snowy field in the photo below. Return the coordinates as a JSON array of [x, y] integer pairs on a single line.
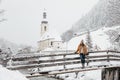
[[99, 38]]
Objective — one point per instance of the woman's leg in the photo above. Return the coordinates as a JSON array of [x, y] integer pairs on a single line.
[[82, 57]]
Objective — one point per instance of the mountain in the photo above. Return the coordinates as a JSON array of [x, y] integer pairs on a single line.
[[102, 39], [104, 13]]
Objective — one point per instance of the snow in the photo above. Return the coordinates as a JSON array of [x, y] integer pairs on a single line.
[[48, 49], [6, 74], [89, 75], [99, 38], [51, 34]]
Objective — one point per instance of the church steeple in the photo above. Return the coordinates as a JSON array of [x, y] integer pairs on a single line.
[[44, 23], [44, 15]]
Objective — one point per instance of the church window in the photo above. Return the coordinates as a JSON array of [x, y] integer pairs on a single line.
[[51, 43], [45, 28]]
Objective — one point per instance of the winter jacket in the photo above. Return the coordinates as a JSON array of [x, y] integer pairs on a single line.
[[82, 49]]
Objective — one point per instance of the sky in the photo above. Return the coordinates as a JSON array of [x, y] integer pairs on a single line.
[[24, 17]]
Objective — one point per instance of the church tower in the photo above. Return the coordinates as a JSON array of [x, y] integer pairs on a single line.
[[44, 24], [48, 39]]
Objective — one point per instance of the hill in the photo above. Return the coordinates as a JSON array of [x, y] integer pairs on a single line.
[[103, 38], [106, 13]]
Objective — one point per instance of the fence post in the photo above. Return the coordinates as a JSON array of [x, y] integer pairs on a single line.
[[103, 74], [64, 61], [108, 56], [116, 74], [87, 60]]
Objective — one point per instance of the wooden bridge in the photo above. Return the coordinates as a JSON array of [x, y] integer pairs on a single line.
[[60, 62]]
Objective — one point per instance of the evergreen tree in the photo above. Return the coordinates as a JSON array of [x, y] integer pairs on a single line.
[[117, 43], [89, 41]]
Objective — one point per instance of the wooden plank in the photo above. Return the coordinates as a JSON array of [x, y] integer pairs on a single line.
[[107, 75], [70, 71], [103, 74], [38, 56], [111, 76], [114, 59], [49, 65], [65, 69], [46, 61], [115, 56], [61, 72], [111, 73], [95, 56], [116, 75], [56, 60]]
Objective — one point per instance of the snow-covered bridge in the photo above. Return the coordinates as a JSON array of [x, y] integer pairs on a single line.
[[60, 62]]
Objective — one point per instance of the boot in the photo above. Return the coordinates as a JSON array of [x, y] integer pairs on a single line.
[[83, 65]]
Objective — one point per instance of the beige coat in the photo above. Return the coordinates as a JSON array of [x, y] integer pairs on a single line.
[[84, 51]]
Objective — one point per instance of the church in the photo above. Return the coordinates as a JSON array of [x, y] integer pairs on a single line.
[[48, 38]]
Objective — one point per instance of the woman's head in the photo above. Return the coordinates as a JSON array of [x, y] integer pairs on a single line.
[[82, 43]]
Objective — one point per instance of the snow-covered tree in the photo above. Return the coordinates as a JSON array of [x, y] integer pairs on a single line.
[[5, 56], [117, 43], [96, 48], [114, 37], [104, 13], [89, 41]]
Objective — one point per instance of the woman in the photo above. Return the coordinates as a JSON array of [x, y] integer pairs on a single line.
[[82, 51]]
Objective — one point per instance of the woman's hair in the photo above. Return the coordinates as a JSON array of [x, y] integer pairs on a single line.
[[82, 44]]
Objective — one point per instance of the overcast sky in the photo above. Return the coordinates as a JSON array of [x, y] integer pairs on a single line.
[[24, 17]]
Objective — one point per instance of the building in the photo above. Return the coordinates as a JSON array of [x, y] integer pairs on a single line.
[[48, 39]]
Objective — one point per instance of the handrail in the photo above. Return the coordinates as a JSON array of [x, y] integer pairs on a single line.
[[54, 64], [57, 60], [39, 55]]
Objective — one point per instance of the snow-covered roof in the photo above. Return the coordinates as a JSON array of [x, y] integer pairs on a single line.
[[53, 34]]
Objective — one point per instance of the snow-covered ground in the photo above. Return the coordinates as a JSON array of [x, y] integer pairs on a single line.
[[99, 38], [6, 74], [88, 75]]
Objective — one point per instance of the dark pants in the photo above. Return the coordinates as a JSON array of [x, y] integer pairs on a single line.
[[82, 57]]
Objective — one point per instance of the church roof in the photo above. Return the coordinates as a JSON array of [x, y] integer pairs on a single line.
[[53, 34]]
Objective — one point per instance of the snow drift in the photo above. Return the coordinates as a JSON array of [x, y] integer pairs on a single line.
[[6, 74]]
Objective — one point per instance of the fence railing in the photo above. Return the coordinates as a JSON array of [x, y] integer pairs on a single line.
[[60, 59]]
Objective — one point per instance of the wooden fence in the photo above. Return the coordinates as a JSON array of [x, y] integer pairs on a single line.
[[64, 59]]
